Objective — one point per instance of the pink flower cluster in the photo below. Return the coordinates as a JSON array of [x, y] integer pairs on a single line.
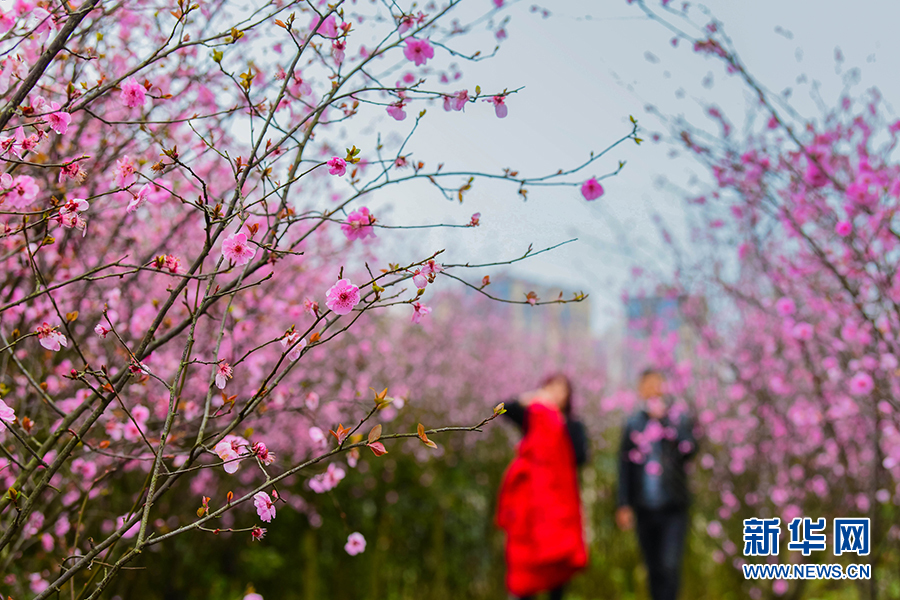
[[327, 481]]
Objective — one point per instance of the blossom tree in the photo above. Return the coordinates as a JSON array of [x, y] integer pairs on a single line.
[[184, 242], [794, 373]]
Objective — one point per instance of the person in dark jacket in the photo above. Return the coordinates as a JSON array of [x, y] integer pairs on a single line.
[[539, 505], [653, 490]]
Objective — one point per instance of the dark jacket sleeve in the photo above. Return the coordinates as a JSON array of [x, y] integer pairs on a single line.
[[686, 434], [515, 412], [623, 496], [579, 441]]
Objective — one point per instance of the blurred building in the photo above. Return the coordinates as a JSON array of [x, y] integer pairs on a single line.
[[646, 316], [557, 322]]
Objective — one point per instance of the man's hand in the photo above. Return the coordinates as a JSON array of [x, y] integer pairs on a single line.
[[625, 517]]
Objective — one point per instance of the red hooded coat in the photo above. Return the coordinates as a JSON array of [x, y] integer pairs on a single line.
[[539, 507]]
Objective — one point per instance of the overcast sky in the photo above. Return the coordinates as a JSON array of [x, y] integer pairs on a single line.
[[584, 70]]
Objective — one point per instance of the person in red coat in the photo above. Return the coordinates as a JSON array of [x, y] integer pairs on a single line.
[[539, 505]]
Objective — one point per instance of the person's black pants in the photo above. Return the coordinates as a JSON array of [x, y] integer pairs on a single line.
[[661, 534], [555, 594]]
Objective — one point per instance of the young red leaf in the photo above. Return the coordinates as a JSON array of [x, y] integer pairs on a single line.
[[424, 438], [377, 448], [341, 433]]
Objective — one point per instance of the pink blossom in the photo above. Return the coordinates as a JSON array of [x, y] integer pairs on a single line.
[[342, 297], [418, 51], [295, 343], [431, 268], [419, 279], [396, 110], [262, 452], [70, 217], [37, 584], [139, 198], [419, 311], [231, 448], [407, 22], [861, 384], [168, 262], [124, 174], [501, 110], [7, 414], [138, 368], [23, 144], [85, 469], [7, 21], [102, 330], [802, 331], [312, 403], [337, 51], [326, 28], [62, 526], [158, 191], [356, 544], [58, 120], [359, 225], [843, 228], [317, 437], [324, 482], [457, 101], [785, 306], [311, 307], [256, 534], [41, 21], [131, 531], [224, 372], [76, 205], [133, 94], [265, 508], [50, 338], [23, 192], [72, 170], [591, 189], [18, 144], [337, 166], [236, 249]]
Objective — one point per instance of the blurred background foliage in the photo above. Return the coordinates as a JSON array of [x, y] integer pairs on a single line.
[[429, 530]]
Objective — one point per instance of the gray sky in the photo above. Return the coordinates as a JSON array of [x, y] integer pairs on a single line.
[[582, 78], [583, 71]]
